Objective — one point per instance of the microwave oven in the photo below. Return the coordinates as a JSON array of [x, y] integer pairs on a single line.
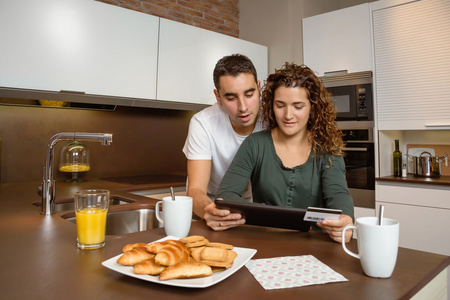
[[352, 95]]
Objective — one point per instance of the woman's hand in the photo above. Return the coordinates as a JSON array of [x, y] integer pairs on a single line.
[[334, 228], [221, 219]]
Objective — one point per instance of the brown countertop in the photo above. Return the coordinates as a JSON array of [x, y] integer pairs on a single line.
[[438, 181], [39, 258]]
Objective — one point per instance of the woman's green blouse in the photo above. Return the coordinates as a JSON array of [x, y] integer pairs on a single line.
[[316, 183]]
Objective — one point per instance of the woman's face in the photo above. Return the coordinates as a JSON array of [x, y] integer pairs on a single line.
[[291, 107]]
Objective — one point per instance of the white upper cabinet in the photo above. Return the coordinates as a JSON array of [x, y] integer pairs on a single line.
[[187, 56], [338, 40], [412, 64], [78, 45]]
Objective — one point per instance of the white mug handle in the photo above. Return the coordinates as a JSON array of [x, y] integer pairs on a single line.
[[158, 216], [343, 241]]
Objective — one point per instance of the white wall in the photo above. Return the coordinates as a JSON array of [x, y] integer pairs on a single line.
[[277, 24]]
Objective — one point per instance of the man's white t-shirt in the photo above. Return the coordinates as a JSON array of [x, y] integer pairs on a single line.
[[211, 137]]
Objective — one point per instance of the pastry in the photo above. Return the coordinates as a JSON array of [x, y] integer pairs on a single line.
[[226, 263], [186, 269], [131, 246], [214, 254], [220, 245], [156, 246], [197, 243], [133, 256], [196, 253], [148, 267], [194, 241], [212, 263], [218, 269], [172, 254], [231, 256], [191, 239]]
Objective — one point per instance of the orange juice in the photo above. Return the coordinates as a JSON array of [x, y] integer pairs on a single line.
[[91, 223]]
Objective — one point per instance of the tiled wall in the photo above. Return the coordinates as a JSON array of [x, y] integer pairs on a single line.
[[216, 15]]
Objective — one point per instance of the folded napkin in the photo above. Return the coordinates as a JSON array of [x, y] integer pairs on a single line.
[[291, 271]]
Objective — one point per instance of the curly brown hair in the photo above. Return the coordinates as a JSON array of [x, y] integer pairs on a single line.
[[325, 136]]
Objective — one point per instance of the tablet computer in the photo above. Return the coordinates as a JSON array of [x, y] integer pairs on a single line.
[[267, 215]]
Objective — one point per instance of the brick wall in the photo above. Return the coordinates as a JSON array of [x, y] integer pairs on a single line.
[[217, 15]]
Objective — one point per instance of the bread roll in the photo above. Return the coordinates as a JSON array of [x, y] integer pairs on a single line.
[[133, 256], [186, 269]]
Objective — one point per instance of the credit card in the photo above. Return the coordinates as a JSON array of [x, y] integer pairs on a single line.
[[318, 214]]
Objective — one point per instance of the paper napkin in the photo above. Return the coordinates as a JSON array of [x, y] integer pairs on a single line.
[[291, 271]]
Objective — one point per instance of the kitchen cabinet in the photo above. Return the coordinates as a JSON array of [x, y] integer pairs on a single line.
[[338, 40], [363, 212], [423, 212], [83, 46], [187, 56], [412, 63], [88, 51]]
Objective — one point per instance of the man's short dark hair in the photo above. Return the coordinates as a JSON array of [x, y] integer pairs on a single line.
[[233, 65]]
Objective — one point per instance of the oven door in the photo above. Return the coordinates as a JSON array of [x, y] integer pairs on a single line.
[[360, 172], [360, 165], [344, 99]]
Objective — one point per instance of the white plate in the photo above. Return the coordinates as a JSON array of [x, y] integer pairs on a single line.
[[243, 256]]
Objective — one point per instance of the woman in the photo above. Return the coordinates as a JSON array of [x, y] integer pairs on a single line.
[[298, 161]]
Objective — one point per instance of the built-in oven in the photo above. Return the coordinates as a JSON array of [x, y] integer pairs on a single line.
[[359, 157], [352, 95]]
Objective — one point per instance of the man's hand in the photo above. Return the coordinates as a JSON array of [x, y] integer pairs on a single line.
[[220, 219], [334, 228]]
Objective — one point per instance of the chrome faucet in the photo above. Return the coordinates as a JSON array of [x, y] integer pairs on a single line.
[[48, 184]]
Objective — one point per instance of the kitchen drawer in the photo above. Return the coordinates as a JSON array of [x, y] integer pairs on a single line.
[[418, 195], [421, 228]]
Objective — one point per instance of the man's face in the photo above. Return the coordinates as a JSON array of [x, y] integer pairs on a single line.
[[239, 98]]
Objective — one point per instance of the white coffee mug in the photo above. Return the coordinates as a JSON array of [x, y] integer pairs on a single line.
[[377, 245], [176, 215]]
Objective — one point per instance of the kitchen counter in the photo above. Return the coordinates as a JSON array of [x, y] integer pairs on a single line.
[[438, 181], [40, 260]]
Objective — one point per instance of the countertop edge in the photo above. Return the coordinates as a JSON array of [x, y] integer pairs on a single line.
[[443, 181]]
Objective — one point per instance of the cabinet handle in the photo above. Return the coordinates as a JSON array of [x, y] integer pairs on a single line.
[[355, 149], [437, 125], [71, 92]]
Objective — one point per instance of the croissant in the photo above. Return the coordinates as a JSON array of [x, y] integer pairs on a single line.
[[171, 254], [133, 256], [156, 246], [131, 246], [148, 267], [186, 269]]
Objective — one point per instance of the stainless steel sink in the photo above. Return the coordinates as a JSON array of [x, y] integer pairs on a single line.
[[160, 193], [129, 221], [68, 204]]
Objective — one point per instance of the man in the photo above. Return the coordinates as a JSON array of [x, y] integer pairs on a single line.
[[216, 133]]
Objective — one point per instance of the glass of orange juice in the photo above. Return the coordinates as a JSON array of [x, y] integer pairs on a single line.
[[91, 207]]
